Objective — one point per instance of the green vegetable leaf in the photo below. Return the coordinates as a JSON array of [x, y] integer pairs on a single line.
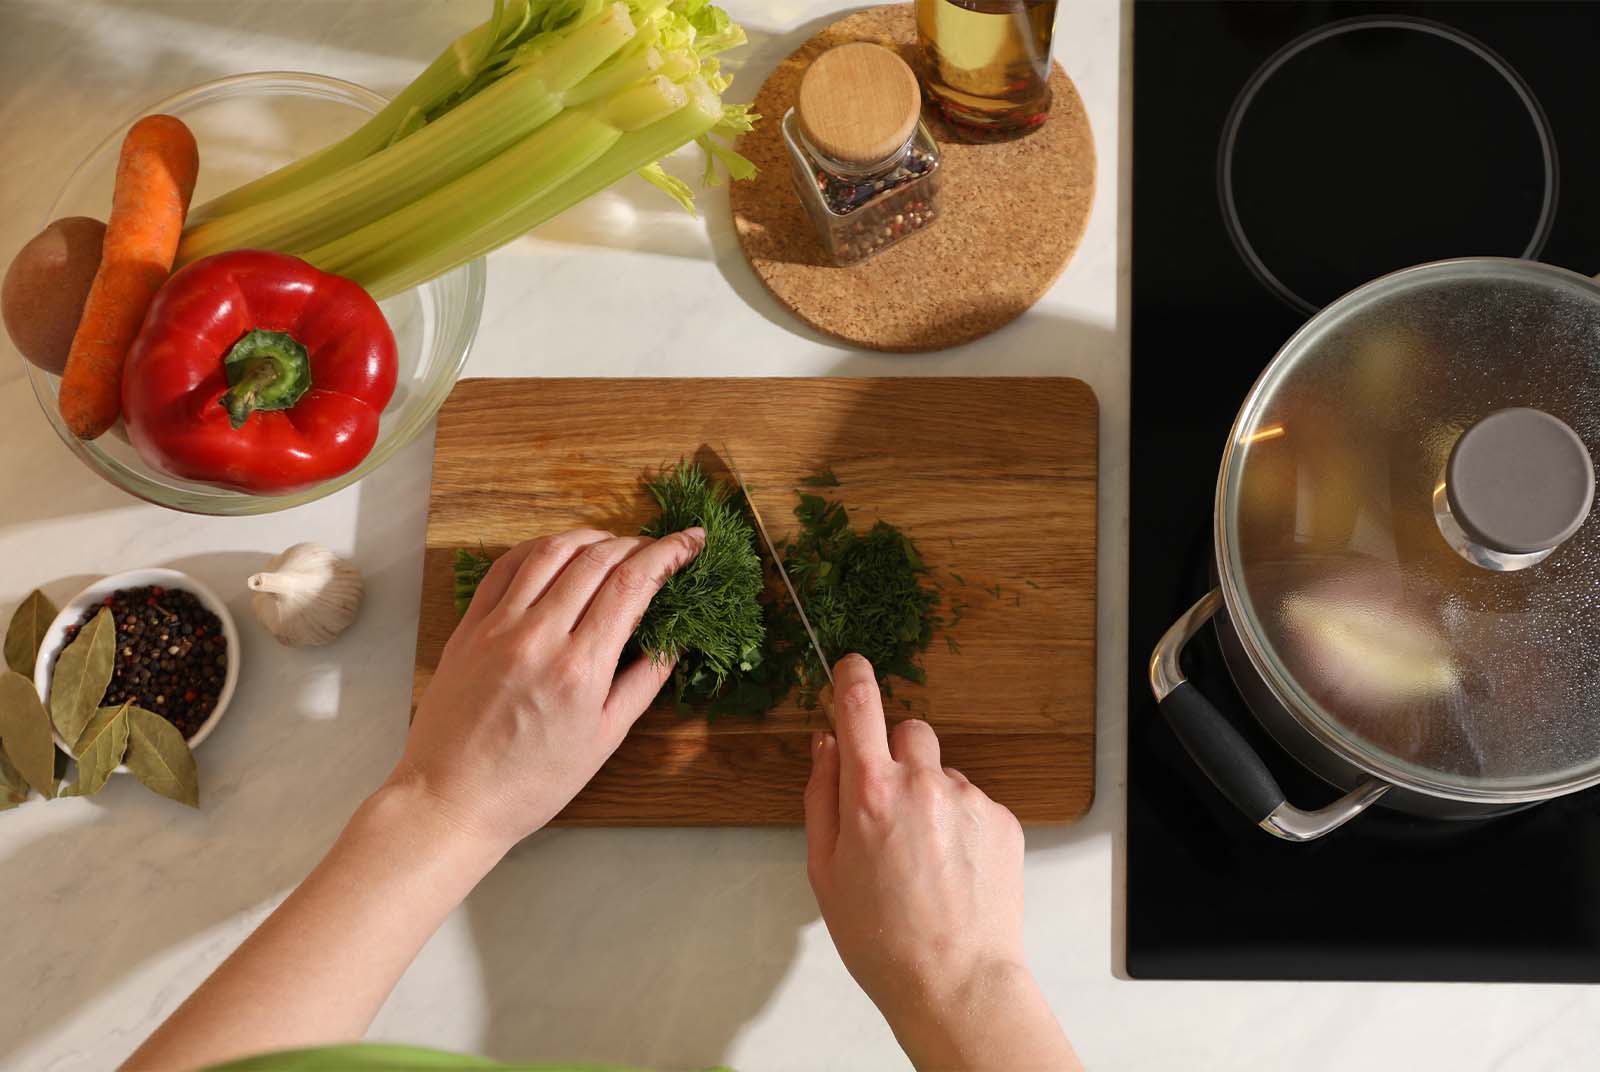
[[25, 733], [101, 747], [160, 757], [26, 632], [671, 185], [82, 673]]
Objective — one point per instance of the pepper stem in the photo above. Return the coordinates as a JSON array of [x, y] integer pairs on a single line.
[[266, 370]]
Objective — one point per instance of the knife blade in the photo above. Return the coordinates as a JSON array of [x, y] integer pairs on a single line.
[[772, 549]]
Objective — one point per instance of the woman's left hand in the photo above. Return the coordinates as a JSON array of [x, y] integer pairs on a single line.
[[528, 700]]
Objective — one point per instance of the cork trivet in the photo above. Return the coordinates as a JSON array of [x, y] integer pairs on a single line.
[[1013, 213]]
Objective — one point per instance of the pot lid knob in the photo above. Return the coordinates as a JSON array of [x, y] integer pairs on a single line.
[[1520, 482]]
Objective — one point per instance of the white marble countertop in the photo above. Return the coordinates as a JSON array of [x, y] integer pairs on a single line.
[[667, 948]]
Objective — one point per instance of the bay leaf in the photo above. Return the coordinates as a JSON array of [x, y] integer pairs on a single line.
[[160, 757], [100, 748], [26, 632], [79, 681], [25, 732], [13, 786]]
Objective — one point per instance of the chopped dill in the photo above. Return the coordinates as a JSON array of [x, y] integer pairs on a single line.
[[864, 593], [822, 478]]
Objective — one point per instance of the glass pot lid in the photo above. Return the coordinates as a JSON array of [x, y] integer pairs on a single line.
[[1404, 529]]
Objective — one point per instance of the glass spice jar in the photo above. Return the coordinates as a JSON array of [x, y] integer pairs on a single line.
[[864, 164]]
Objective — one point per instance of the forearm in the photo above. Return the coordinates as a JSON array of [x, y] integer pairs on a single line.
[[318, 969], [996, 1020]]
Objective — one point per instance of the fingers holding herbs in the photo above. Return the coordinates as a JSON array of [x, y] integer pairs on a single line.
[[620, 604], [527, 701]]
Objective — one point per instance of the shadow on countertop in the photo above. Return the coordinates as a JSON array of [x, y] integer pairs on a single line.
[[641, 947]]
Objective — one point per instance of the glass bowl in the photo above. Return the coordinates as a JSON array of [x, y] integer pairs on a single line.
[[246, 126]]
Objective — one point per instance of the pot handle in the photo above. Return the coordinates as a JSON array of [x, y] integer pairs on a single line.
[[1225, 757]]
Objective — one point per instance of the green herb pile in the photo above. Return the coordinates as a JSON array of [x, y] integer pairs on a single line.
[[708, 615], [739, 644], [864, 593]]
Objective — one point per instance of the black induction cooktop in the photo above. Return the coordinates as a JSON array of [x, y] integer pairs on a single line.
[[1284, 153]]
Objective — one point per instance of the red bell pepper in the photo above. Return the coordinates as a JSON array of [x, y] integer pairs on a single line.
[[256, 371]]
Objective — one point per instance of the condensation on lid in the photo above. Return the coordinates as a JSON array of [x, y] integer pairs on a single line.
[[1411, 660]]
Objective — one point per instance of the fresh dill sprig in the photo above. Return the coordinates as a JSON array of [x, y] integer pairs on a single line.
[[822, 478], [708, 615], [470, 566]]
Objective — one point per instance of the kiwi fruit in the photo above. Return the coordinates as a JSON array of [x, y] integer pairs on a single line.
[[42, 296]]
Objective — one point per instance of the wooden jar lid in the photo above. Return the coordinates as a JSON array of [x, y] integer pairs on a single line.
[[858, 103], [1012, 213]]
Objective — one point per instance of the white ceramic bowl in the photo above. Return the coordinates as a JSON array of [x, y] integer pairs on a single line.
[[55, 636]]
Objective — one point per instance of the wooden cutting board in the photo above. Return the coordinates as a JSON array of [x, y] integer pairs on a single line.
[[994, 479]]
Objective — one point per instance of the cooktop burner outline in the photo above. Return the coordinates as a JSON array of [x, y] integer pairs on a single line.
[[1247, 95]]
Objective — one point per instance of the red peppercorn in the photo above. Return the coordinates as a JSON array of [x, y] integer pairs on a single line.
[[157, 591], [106, 601]]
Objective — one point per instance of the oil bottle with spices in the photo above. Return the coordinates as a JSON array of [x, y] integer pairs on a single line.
[[865, 166]]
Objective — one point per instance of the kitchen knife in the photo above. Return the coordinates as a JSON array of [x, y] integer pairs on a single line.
[[772, 549]]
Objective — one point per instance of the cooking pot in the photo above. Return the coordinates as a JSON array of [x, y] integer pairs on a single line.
[[1407, 573]]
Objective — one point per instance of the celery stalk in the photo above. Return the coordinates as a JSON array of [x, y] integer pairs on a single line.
[[615, 76], [631, 152], [454, 66], [543, 159], [387, 273], [443, 150], [541, 106]]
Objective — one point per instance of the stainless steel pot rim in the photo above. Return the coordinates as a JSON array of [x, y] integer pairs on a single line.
[[1378, 763]]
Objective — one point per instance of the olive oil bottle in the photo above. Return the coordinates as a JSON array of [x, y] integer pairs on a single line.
[[986, 63]]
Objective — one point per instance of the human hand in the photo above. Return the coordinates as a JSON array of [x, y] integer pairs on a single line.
[[919, 878], [528, 700]]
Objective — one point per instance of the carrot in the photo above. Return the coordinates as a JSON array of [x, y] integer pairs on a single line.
[[155, 179]]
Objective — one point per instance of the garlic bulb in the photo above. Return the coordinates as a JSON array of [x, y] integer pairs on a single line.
[[308, 595]]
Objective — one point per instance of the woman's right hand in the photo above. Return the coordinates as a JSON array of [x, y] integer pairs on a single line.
[[919, 878]]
